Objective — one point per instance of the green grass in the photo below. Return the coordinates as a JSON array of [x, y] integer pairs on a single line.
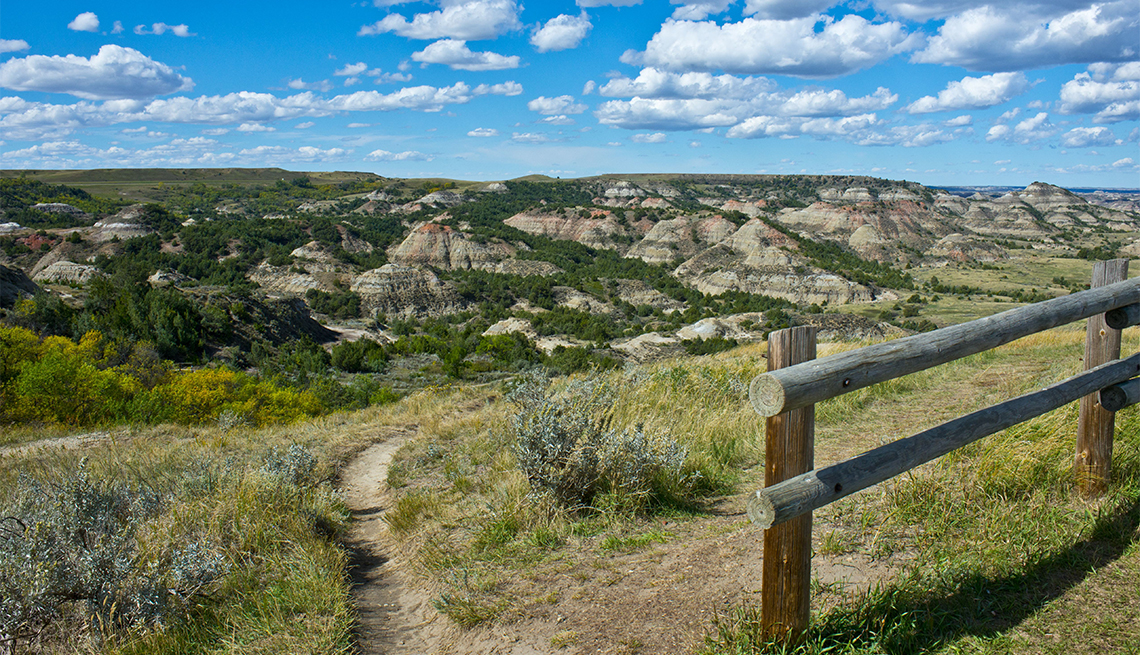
[[285, 583], [1005, 556]]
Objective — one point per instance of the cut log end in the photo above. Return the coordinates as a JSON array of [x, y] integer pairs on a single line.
[[767, 395], [761, 511]]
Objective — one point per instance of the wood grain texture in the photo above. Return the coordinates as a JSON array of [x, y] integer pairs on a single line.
[[1123, 317], [1119, 396], [778, 503], [810, 382], [1093, 463], [785, 601]]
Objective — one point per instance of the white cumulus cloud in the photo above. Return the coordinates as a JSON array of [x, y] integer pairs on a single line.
[[1015, 36], [556, 105], [23, 120], [973, 93], [13, 45], [483, 132], [85, 22], [475, 20], [1110, 92], [159, 29], [1085, 137], [788, 47], [607, 3], [1027, 131], [563, 32], [457, 56], [115, 72], [656, 137], [502, 89], [407, 155], [699, 10]]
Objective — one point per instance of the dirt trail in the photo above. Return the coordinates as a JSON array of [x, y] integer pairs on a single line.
[[658, 600], [394, 619]]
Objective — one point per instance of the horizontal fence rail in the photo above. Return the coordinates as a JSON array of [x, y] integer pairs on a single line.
[[813, 381], [814, 489], [1119, 396]]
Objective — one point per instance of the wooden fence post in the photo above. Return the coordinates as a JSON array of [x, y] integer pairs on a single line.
[[785, 597], [1095, 427]]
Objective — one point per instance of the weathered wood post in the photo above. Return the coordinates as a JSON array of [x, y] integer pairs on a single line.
[[785, 597], [1095, 427]]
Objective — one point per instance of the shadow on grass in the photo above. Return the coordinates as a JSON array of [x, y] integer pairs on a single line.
[[904, 617]]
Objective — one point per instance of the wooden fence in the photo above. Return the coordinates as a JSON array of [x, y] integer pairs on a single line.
[[796, 380]]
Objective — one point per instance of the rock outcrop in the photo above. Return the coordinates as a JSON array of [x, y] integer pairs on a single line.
[[638, 293], [397, 290], [14, 284], [61, 208], [432, 244], [65, 272], [127, 224], [681, 237], [596, 229], [572, 298]]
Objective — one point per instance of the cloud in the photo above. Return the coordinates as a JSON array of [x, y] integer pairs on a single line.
[[282, 153], [656, 137], [959, 121], [1027, 131], [255, 127], [563, 32], [304, 126], [483, 132], [607, 3], [115, 72], [777, 126], [1111, 92], [351, 69], [457, 56], [589, 87], [973, 93], [1016, 37], [785, 9], [117, 27], [560, 119], [699, 10], [196, 151], [503, 89], [672, 101], [791, 47], [407, 155], [85, 22], [530, 137], [158, 29], [1085, 137], [475, 20], [558, 105], [301, 85], [656, 83], [23, 120], [13, 45]]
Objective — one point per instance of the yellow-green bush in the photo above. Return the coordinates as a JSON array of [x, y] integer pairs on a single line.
[[59, 381]]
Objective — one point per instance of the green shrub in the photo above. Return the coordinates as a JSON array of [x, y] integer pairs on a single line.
[[566, 447]]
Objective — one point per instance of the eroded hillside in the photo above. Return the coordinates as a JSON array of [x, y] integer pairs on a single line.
[[606, 268]]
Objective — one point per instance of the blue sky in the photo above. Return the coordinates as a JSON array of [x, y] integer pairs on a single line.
[[950, 92]]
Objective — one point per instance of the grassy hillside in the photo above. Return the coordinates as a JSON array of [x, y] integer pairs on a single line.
[[986, 551]]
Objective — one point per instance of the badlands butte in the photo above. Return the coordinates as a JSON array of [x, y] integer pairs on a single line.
[[616, 267]]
